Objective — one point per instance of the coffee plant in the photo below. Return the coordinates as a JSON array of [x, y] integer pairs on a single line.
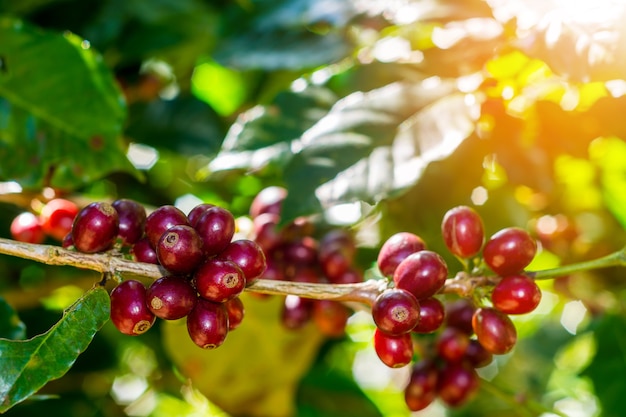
[[312, 208]]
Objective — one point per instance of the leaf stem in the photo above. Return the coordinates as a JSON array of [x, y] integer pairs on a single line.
[[617, 258]]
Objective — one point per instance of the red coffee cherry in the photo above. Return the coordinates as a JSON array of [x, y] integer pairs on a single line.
[[509, 251], [129, 310], [462, 231], [516, 294], [95, 228]]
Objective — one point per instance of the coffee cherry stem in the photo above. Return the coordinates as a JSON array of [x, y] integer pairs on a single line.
[[365, 292]]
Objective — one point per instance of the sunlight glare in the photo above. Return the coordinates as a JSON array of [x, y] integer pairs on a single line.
[[573, 314]]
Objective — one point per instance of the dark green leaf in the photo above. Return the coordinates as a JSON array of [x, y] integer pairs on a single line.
[[11, 327], [282, 50], [263, 135], [185, 125], [61, 104], [608, 367], [287, 34], [36, 153], [29, 364]]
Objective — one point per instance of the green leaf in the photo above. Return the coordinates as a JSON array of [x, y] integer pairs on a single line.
[[11, 327], [262, 136], [367, 147], [287, 34], [62, 117], [282, 50], [374, 145], [50, 355], [184, 125]]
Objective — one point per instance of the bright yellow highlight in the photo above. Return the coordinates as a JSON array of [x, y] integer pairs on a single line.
[[222, 88]]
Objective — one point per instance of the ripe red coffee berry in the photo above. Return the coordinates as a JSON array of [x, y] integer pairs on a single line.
[[432, 315], [248, 256], [296, 312], [421, 273], [459, 314], [129, 310], [95, 228], [26, 227], [462, 231], [476, 355], [516, 294], [57, 217], [396, 311], [132, 220], [160, 220], [421, 390], [457, 384], [330, 317], [494, 330], [219, 280], [207, 324], [216, 227], [393, 351], [180, 249], [268, 200], [265, 231], [396, 249], [197, 212], [236, 312], [171, 297], [452, 344], [142, 251], [509, 251]]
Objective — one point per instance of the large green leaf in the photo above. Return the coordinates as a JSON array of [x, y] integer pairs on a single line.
[[27, 365], [374, 145], [62, 114], [367, 147], [11, 327]]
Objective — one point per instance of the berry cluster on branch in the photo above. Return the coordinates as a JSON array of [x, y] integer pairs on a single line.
[[295, 254], [444, 327], [206, 270], [448, 338]]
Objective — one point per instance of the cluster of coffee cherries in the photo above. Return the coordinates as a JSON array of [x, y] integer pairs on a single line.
[[53, 219], [464, 333], [206, 269], [293, 253]]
